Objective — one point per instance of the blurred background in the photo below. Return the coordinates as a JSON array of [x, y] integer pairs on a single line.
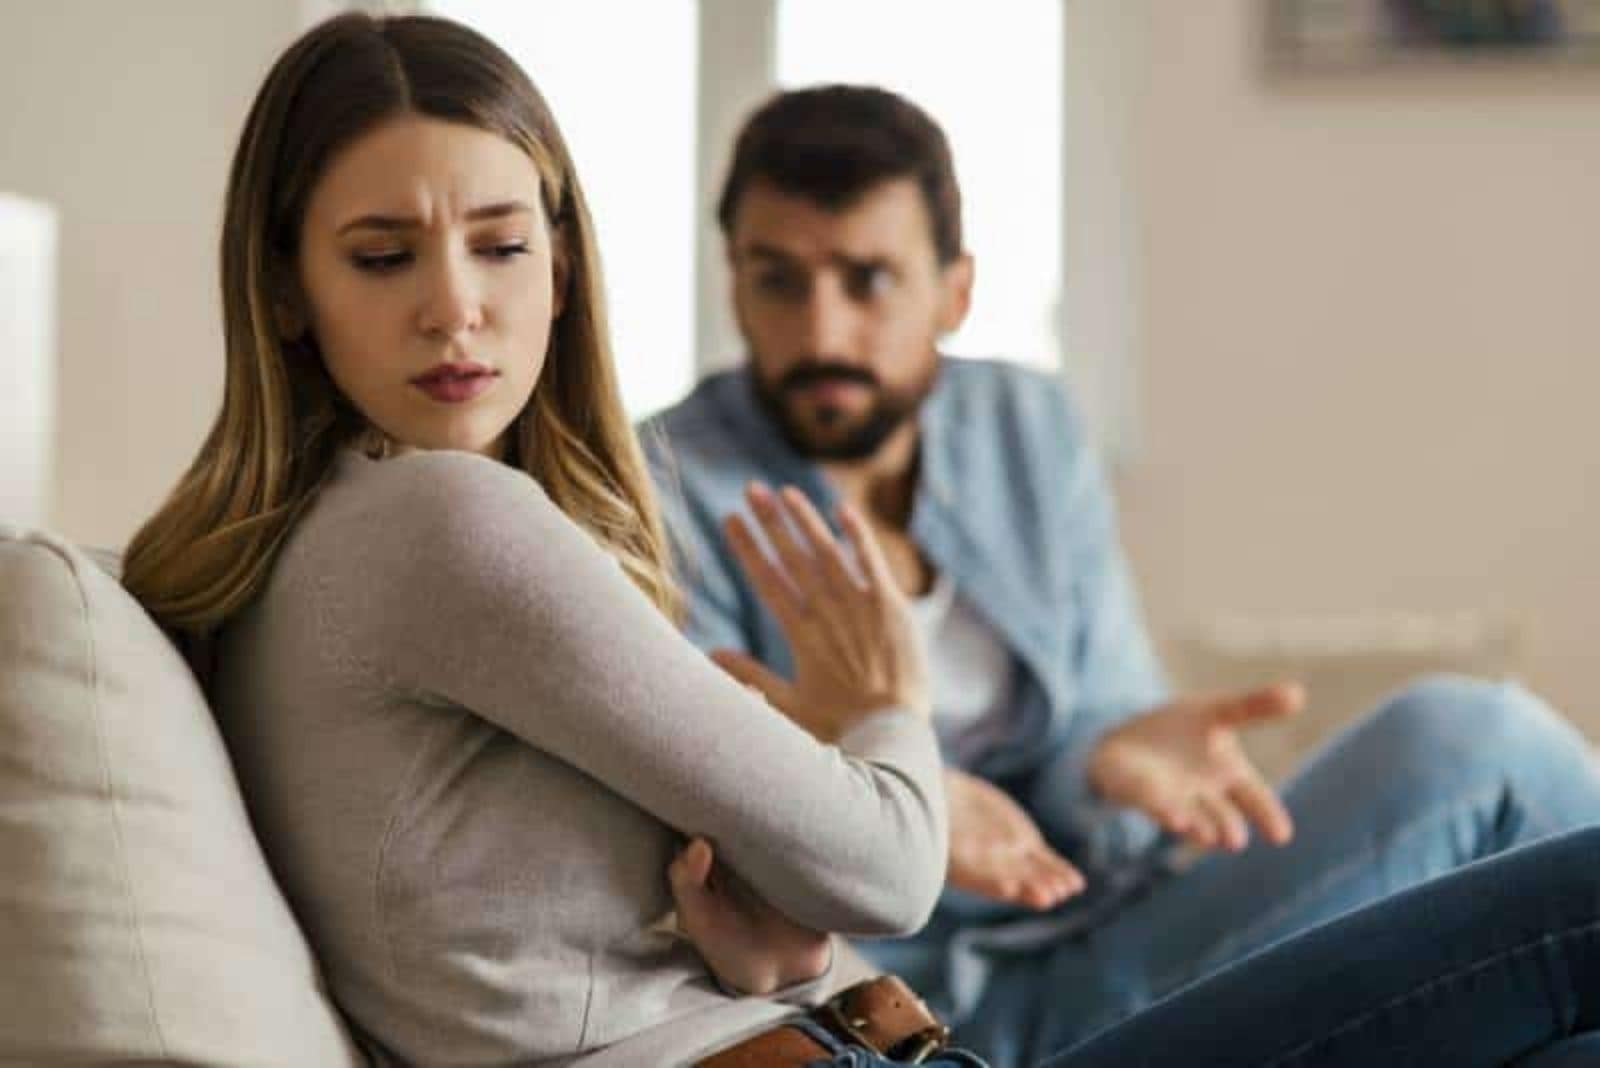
[[1322, 273]]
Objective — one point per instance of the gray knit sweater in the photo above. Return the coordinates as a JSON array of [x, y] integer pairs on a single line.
[[471, 748]]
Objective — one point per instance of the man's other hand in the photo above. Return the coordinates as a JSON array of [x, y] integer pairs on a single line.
[[1183, 766], [997, 852]]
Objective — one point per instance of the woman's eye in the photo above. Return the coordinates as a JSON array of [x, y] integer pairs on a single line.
[[378, 262], [382, 262], [505, 251]]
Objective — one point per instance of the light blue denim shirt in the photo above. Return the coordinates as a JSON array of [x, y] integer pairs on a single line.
[[1012, 504]]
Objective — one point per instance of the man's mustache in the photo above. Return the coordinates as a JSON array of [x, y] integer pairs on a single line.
[[812, 374]]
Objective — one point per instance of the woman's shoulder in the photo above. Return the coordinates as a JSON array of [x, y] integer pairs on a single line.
[[436, 476], [457, 508], [423, 489], [413, 554]]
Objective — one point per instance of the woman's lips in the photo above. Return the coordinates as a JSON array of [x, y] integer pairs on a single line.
[[455, 383]]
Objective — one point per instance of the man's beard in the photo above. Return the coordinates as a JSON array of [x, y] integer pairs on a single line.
[[844, 438]]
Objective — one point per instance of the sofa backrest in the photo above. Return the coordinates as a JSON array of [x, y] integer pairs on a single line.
[[138, 918]]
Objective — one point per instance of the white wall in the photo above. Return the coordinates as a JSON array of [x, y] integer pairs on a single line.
[[27, 357], [124, 118], [1371, 326]]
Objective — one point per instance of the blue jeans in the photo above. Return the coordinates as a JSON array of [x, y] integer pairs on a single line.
[[1495, 963], [1447, 773]]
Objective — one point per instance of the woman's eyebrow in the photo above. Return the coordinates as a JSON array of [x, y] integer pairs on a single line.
[[411, 222]]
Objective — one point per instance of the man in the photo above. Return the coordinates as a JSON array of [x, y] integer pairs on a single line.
[[1072, 773]]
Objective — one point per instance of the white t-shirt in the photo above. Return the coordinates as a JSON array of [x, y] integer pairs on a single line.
[[970, 672]]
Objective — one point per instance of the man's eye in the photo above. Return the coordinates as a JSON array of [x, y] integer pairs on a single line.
[[865, 283], [779, 284], [379, 262]]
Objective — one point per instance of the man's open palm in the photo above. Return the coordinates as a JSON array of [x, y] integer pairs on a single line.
[[1182, 765], [997, 852]]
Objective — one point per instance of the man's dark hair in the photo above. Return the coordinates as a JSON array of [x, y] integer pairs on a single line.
[[833, 143]]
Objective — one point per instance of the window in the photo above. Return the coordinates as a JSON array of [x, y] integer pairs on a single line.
[[633, 141], [991, 76]]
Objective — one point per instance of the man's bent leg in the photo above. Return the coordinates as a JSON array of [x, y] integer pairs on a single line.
[[1446, 772], [1496, 961]]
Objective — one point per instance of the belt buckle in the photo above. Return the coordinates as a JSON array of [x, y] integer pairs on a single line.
[[913, 1049], [851, 1028], [920, 1046]]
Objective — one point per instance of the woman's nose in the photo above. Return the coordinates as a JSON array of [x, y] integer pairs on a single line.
[[452, 304]]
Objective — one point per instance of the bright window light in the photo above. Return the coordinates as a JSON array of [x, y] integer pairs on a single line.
[[620, 76], [989, 73]]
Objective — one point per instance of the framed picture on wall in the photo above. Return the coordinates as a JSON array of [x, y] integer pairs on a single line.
[[1334, 34]]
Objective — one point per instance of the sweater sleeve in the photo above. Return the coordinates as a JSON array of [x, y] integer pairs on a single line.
[[473, 588]]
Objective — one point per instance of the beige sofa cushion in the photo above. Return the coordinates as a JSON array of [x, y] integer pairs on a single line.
[[138, 920]]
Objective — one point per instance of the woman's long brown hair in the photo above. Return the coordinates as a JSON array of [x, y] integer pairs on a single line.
[[208, 550]]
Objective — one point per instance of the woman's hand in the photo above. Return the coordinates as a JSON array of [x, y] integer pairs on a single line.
[[750, 946], [848, 624]]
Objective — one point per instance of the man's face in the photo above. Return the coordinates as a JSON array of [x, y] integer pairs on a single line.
[[842, 311]]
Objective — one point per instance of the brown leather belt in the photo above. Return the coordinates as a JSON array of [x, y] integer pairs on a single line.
[[882, 1014]]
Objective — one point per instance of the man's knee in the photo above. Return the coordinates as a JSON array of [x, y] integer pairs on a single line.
[[1441, 714]]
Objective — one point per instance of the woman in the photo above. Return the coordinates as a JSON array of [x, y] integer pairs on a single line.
[[422, 542], [422, 535]]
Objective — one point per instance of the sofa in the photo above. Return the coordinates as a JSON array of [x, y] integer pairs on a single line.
[[139, 923]]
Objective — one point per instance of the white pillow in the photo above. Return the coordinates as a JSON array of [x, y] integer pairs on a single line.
[[138, 919]]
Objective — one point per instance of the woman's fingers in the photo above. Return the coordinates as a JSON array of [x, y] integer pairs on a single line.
[[691, 867], [771, 514], [874, 566], [811, 565], [757, 676], [770, 582], [854, 647], [825, 548]]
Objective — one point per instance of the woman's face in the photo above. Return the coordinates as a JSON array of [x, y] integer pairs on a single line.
[[430, 281]]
